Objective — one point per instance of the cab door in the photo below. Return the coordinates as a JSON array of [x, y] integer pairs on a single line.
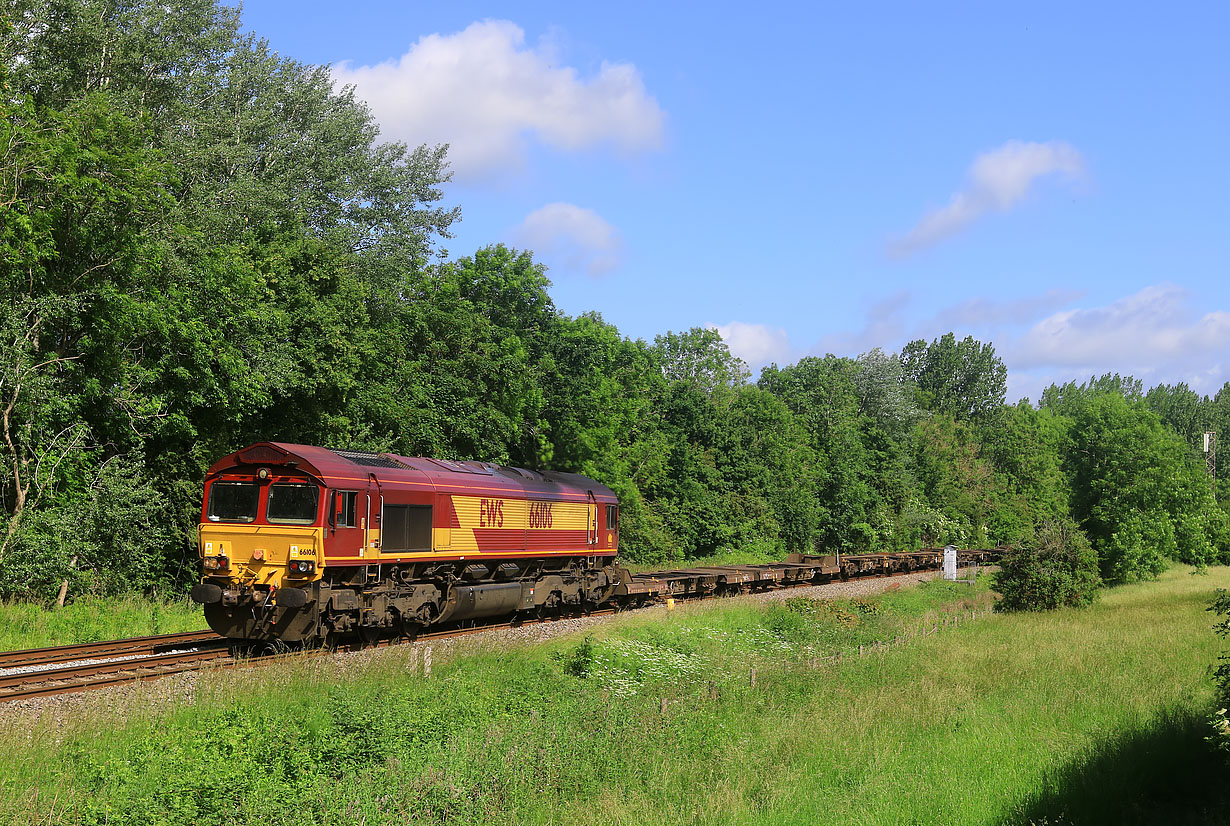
[[591, 524], [345, 521]]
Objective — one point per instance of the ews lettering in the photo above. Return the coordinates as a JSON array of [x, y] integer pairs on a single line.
[[491, 513], [540, 515]]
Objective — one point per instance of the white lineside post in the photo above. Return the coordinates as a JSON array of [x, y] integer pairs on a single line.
[[950, 563]]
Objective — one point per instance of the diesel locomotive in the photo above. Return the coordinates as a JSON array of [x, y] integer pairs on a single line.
[[302, 544]]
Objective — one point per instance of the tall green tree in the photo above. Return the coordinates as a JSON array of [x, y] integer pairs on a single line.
[[823, 394], [1137, 490], [962, 378]]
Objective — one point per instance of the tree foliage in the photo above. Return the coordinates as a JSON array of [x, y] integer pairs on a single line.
[[205, 244], [964, 379]]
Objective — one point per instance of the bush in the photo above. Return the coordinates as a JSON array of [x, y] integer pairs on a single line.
[[1219, 736], [1056, 568]]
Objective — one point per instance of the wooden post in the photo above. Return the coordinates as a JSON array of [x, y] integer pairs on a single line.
[[64, 586], [753, 678], [860, 650], [662, 706], [427, 661]]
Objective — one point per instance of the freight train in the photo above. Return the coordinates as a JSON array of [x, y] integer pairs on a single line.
[[306, 545]]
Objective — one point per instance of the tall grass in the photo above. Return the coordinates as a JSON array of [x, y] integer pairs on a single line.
[[1071, 717], [92, 619]]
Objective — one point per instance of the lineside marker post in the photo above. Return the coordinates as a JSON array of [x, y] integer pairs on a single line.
[[427, 662]]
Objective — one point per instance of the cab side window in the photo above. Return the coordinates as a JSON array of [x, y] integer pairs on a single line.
[[346, 515], [612, 517]]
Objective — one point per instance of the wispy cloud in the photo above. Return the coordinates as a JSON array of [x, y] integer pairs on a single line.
[[756, 344], [981, 313], [883, 324], [483, 92], [573, 238], [996, 182], [1157, 334]]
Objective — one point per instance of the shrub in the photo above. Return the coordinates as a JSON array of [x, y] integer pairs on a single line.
[[1219, 723], [1057, 567]]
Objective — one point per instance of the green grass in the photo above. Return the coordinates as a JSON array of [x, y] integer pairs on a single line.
[[29, 625], [1070, 717]]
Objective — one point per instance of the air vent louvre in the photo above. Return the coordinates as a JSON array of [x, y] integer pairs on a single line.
[[262, 454], [360, 457]]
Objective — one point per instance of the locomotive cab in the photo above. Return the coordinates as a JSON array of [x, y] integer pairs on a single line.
[[261, 536]]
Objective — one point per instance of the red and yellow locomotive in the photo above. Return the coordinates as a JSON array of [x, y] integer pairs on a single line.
[[306, 544]]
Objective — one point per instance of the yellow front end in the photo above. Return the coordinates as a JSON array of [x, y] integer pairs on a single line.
[[261, 556]]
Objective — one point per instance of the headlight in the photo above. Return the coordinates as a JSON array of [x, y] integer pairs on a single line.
[[301, 566], [215, 563]]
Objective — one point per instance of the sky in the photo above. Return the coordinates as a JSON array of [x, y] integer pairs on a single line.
[[830, 178]]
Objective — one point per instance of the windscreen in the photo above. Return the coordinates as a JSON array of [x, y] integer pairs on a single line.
[[233, 501], [292, 504]]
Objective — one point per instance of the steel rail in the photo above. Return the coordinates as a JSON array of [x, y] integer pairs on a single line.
[[106, 648]]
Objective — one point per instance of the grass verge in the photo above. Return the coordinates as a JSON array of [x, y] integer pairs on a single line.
[[1069, 717], [90, 619]]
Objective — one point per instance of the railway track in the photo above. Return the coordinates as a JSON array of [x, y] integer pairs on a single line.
[[75, 676], [109, 648], [61, 670]]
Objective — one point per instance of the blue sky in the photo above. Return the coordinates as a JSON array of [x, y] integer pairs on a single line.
[[815, 178]]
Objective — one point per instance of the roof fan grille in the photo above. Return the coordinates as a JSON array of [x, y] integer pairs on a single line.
[[370, 459]]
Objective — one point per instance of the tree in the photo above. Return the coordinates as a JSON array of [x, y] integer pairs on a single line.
[[823, 396], [81, 186], [1183, 411], [205, 244], [1025, 448], [964, 379], [1066, 399], [1137, 490], [884, 394], [955, 479], [699, 357]]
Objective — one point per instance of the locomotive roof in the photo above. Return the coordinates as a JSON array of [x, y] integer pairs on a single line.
[[345, 467]]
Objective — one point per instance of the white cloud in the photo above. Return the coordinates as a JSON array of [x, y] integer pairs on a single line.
[[756, 344], [1155, 334], [574, 237], [483, 92], [997, 181]]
